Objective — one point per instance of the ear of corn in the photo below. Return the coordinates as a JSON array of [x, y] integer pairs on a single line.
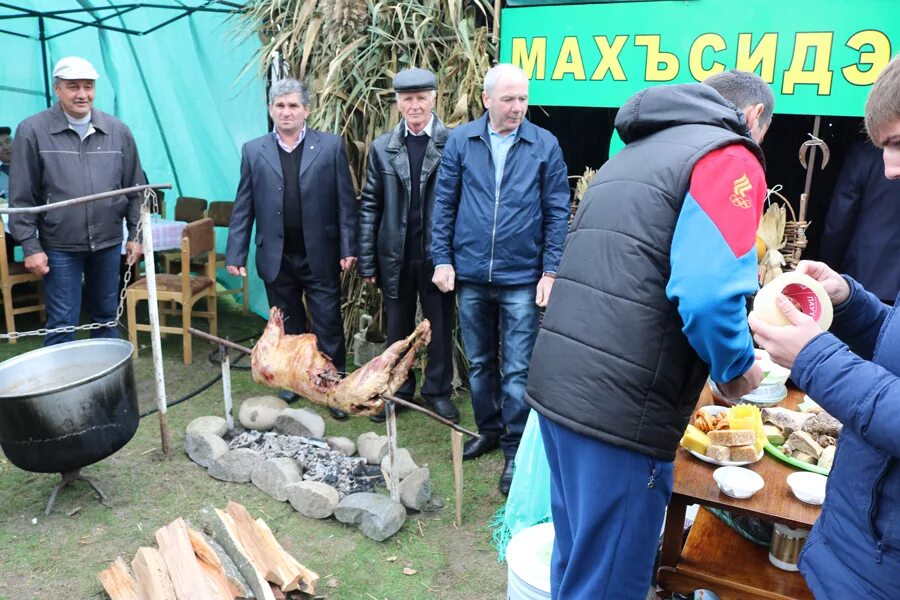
[[771, 232]]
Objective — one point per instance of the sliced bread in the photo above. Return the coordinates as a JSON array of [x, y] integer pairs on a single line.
[[732, 437], [743, 453], [718, 452]]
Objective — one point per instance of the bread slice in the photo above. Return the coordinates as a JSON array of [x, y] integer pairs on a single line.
[[732, 437], [718, 452], [743, 453]]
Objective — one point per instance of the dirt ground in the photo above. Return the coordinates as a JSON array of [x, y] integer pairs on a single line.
[[60, 556]]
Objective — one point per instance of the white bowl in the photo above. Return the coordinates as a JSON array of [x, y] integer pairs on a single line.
[[738, 482], [808, 487]]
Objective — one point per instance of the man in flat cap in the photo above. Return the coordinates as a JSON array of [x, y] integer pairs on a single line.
[[71, 150], [395, 233]]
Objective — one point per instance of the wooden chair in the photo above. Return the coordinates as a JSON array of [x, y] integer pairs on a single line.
[[220, 213], [187, 209], [198, 238], [12, 274]]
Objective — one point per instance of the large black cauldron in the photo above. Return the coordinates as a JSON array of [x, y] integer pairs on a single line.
[[67, 406]]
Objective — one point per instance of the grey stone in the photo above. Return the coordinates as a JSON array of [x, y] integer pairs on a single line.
[[235, 465], [299, 421], [341, 444], [376, 516], [372, 447], [210, 424], [415, 489], [260, 412], [313, 498], [273, 475], [204, 448], [403, 464]]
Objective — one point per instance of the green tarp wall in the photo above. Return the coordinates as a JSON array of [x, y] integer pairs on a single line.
[[180, 89]]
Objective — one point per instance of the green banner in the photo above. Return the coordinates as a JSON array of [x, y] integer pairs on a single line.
[[820, 56]]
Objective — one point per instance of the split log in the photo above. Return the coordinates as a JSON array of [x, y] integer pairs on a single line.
[[118, 582], [236, 582], [276, 591], [153, 581], [184, 570], [302, 578], [266, 551], [210, 565], [225, 533]]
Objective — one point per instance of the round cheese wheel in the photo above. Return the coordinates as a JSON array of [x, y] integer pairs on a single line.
[[806, 293]]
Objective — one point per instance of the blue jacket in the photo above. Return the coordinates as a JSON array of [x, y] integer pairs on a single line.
[[854, 548], [513, 238]]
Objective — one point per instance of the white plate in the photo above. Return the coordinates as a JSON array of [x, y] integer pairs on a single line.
[[724, 463], [715, 410]]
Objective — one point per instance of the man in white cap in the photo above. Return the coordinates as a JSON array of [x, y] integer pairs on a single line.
[[71, 150]]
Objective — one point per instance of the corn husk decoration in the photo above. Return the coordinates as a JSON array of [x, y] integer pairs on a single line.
[[771, 233]]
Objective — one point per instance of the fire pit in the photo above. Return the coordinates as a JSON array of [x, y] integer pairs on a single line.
[[66, 407]]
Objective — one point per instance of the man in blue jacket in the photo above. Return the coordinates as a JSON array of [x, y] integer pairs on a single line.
[[500, 216], [853, 372]]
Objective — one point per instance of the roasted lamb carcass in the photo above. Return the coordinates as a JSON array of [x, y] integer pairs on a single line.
[[294, 362]]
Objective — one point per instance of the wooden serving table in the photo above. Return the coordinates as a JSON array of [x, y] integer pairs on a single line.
[[717, 558]]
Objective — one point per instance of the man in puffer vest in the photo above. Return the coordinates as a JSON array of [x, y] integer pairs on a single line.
[[650, 298], [853, 372]]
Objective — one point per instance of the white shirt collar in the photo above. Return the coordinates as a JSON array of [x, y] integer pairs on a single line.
[[426, 131], [284, 146]]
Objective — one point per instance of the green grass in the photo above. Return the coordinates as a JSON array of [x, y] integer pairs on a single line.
[[60, 556]]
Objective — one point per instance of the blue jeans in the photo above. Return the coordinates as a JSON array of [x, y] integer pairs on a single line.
[[62, 290], [499, 323]]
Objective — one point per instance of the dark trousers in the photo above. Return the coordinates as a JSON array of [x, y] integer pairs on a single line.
[[499, 325], [608, 505], [63, 289], [323, 297], [415, 284]]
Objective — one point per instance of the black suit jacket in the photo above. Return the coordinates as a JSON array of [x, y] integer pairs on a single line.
[[328, 205]]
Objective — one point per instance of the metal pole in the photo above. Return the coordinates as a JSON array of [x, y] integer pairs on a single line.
[[156, 344], [226, 385], [44, 61], [82, 199], [391, 421]]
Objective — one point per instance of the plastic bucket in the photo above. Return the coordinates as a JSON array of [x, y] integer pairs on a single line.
[[528, 560]]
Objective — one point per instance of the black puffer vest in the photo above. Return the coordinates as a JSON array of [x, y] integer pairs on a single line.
[[611, 361]]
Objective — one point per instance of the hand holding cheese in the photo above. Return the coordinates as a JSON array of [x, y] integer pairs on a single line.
[[806, 294], [835, 286], [784, 342]]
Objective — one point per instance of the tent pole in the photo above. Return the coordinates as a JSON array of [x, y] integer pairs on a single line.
[[44, 60]]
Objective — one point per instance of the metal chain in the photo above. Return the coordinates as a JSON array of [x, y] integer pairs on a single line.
[[149, 202]]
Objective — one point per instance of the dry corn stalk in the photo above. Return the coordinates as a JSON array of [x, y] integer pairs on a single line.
[[771, 232]]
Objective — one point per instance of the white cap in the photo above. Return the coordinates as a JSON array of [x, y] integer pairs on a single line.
[[74, 67]]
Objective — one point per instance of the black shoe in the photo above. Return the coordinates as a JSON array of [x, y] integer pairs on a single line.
[[378, 417], [507, 476], [337, 413], [445, 409], [288, 396], [478, 446]]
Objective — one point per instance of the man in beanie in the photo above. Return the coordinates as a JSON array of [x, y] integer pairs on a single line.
[[395, 233], [71, 150]]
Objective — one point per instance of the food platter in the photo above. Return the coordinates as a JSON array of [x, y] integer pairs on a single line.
[[725, 463], [777, 453]]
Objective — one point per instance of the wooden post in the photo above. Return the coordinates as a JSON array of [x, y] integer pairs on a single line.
[[391, 420], [226, 386], [155, 343], [456, 450]]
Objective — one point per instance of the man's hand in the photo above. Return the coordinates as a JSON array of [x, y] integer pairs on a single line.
[[542, 295], [37, 264], [836, 286], [347, 263], [743, 384], [784, 343], [369, 280], [444, 278], [133, 251], [236, 271]]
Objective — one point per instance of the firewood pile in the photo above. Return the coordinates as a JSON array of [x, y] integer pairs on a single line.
[[233, 557]]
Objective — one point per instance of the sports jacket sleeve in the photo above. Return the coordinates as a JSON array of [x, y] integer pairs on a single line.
[[713, 258]]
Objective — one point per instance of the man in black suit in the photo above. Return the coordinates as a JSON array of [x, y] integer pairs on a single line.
[[295, 183]]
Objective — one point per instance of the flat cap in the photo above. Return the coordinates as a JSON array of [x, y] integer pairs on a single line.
[[74, 67], [413, 80]]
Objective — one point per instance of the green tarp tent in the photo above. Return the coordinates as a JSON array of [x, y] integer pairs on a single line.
[[170, 69]]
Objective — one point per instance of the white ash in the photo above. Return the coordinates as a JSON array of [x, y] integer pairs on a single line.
[[348, 475]]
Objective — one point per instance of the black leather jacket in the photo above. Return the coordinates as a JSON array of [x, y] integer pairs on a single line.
[[384, 206]]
